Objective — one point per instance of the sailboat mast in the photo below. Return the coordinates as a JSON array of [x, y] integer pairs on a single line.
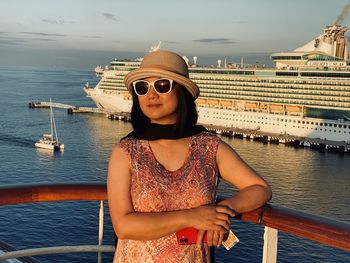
[[51, 120], [54, 127]]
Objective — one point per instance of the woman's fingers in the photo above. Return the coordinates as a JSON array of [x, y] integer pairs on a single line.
[[223, 223], [221, 238], [225, 210], [210, 238], [211, 218], [215, 238], [200, 236]]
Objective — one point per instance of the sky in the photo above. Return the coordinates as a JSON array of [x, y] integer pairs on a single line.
[[86, 33]]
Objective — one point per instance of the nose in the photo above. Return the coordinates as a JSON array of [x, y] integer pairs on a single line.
[[152, 92]]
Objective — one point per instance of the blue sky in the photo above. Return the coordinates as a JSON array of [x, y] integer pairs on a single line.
[[84, 33]]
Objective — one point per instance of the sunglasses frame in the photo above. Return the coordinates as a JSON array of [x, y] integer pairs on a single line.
[[152, 83]]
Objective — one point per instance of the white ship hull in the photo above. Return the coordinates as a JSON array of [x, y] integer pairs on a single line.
[[246, 120], [48, 146]]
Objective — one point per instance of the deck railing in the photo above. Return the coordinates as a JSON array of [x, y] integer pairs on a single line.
[[274, 218]]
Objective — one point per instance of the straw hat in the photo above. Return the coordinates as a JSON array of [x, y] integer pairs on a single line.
[[163, 64]]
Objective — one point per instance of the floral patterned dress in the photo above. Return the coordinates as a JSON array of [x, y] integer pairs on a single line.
[[156, 189]]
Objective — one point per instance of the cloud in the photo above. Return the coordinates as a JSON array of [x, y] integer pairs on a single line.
[[12, 41], [56, 22], [42, 34], [109, 16], [171, 42], [4, 40], [43, 39], [215, 41], [92, 37]]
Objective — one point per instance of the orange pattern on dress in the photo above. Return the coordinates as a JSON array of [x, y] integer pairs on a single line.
[[156, 189]]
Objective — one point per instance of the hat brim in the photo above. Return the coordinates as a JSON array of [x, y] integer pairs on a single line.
[[142, 73]]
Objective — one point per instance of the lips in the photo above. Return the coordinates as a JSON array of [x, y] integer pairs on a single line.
[[153, 105]]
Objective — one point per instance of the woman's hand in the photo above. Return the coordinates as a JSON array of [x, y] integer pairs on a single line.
[[215, 220], [210, 217], [214, 238]]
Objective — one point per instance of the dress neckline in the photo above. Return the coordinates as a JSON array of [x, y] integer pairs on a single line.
[[189, 152]]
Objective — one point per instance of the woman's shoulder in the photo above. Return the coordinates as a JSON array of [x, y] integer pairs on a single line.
[[208, 136], [207, 139]]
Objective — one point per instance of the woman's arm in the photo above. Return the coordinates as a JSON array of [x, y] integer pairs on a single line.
[[253, 190], [129, 224]]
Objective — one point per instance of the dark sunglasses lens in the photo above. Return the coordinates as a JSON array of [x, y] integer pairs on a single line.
[[162, 85], [141, 87]]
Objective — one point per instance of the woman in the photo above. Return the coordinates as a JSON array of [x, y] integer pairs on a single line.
[[163, 176]]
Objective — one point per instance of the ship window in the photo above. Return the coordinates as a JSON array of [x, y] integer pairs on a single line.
[[325, 124], [307, 122], [303, 122], [330, 125], [339, 125], [335, 125]]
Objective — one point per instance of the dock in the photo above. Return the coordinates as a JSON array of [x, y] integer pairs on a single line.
[[255, 135], [286, 139], [46, 104]]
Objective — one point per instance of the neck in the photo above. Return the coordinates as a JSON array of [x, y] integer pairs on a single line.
[[156, 131]]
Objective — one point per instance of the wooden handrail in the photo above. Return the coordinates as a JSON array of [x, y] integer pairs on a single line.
[[10, 195], [323, 230]]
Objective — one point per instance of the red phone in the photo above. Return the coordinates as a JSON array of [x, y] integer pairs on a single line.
[[188, 236]]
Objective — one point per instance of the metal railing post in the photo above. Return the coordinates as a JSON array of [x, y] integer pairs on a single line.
[[100, 231], [270, 245]]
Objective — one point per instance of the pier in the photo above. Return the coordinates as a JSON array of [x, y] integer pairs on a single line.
[[255, 135], [286, 139], [45, 104]]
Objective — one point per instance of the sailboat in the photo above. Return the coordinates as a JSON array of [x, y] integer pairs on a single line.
[[50, 141]]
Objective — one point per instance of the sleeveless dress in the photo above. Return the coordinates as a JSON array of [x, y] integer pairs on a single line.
[[156, 189]]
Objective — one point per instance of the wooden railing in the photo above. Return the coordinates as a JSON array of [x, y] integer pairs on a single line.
[[320, 229]]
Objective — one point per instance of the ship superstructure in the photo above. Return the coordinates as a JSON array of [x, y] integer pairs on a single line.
[[306, 95]]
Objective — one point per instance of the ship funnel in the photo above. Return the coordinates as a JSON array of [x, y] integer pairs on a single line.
[[219, 63], [195, 60]]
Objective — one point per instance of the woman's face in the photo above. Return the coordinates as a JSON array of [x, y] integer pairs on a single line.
[[159, 108]]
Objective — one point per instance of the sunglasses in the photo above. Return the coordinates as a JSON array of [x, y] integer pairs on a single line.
[[161, 86]]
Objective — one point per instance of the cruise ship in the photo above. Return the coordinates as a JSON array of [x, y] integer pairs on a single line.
[[306, 95]]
